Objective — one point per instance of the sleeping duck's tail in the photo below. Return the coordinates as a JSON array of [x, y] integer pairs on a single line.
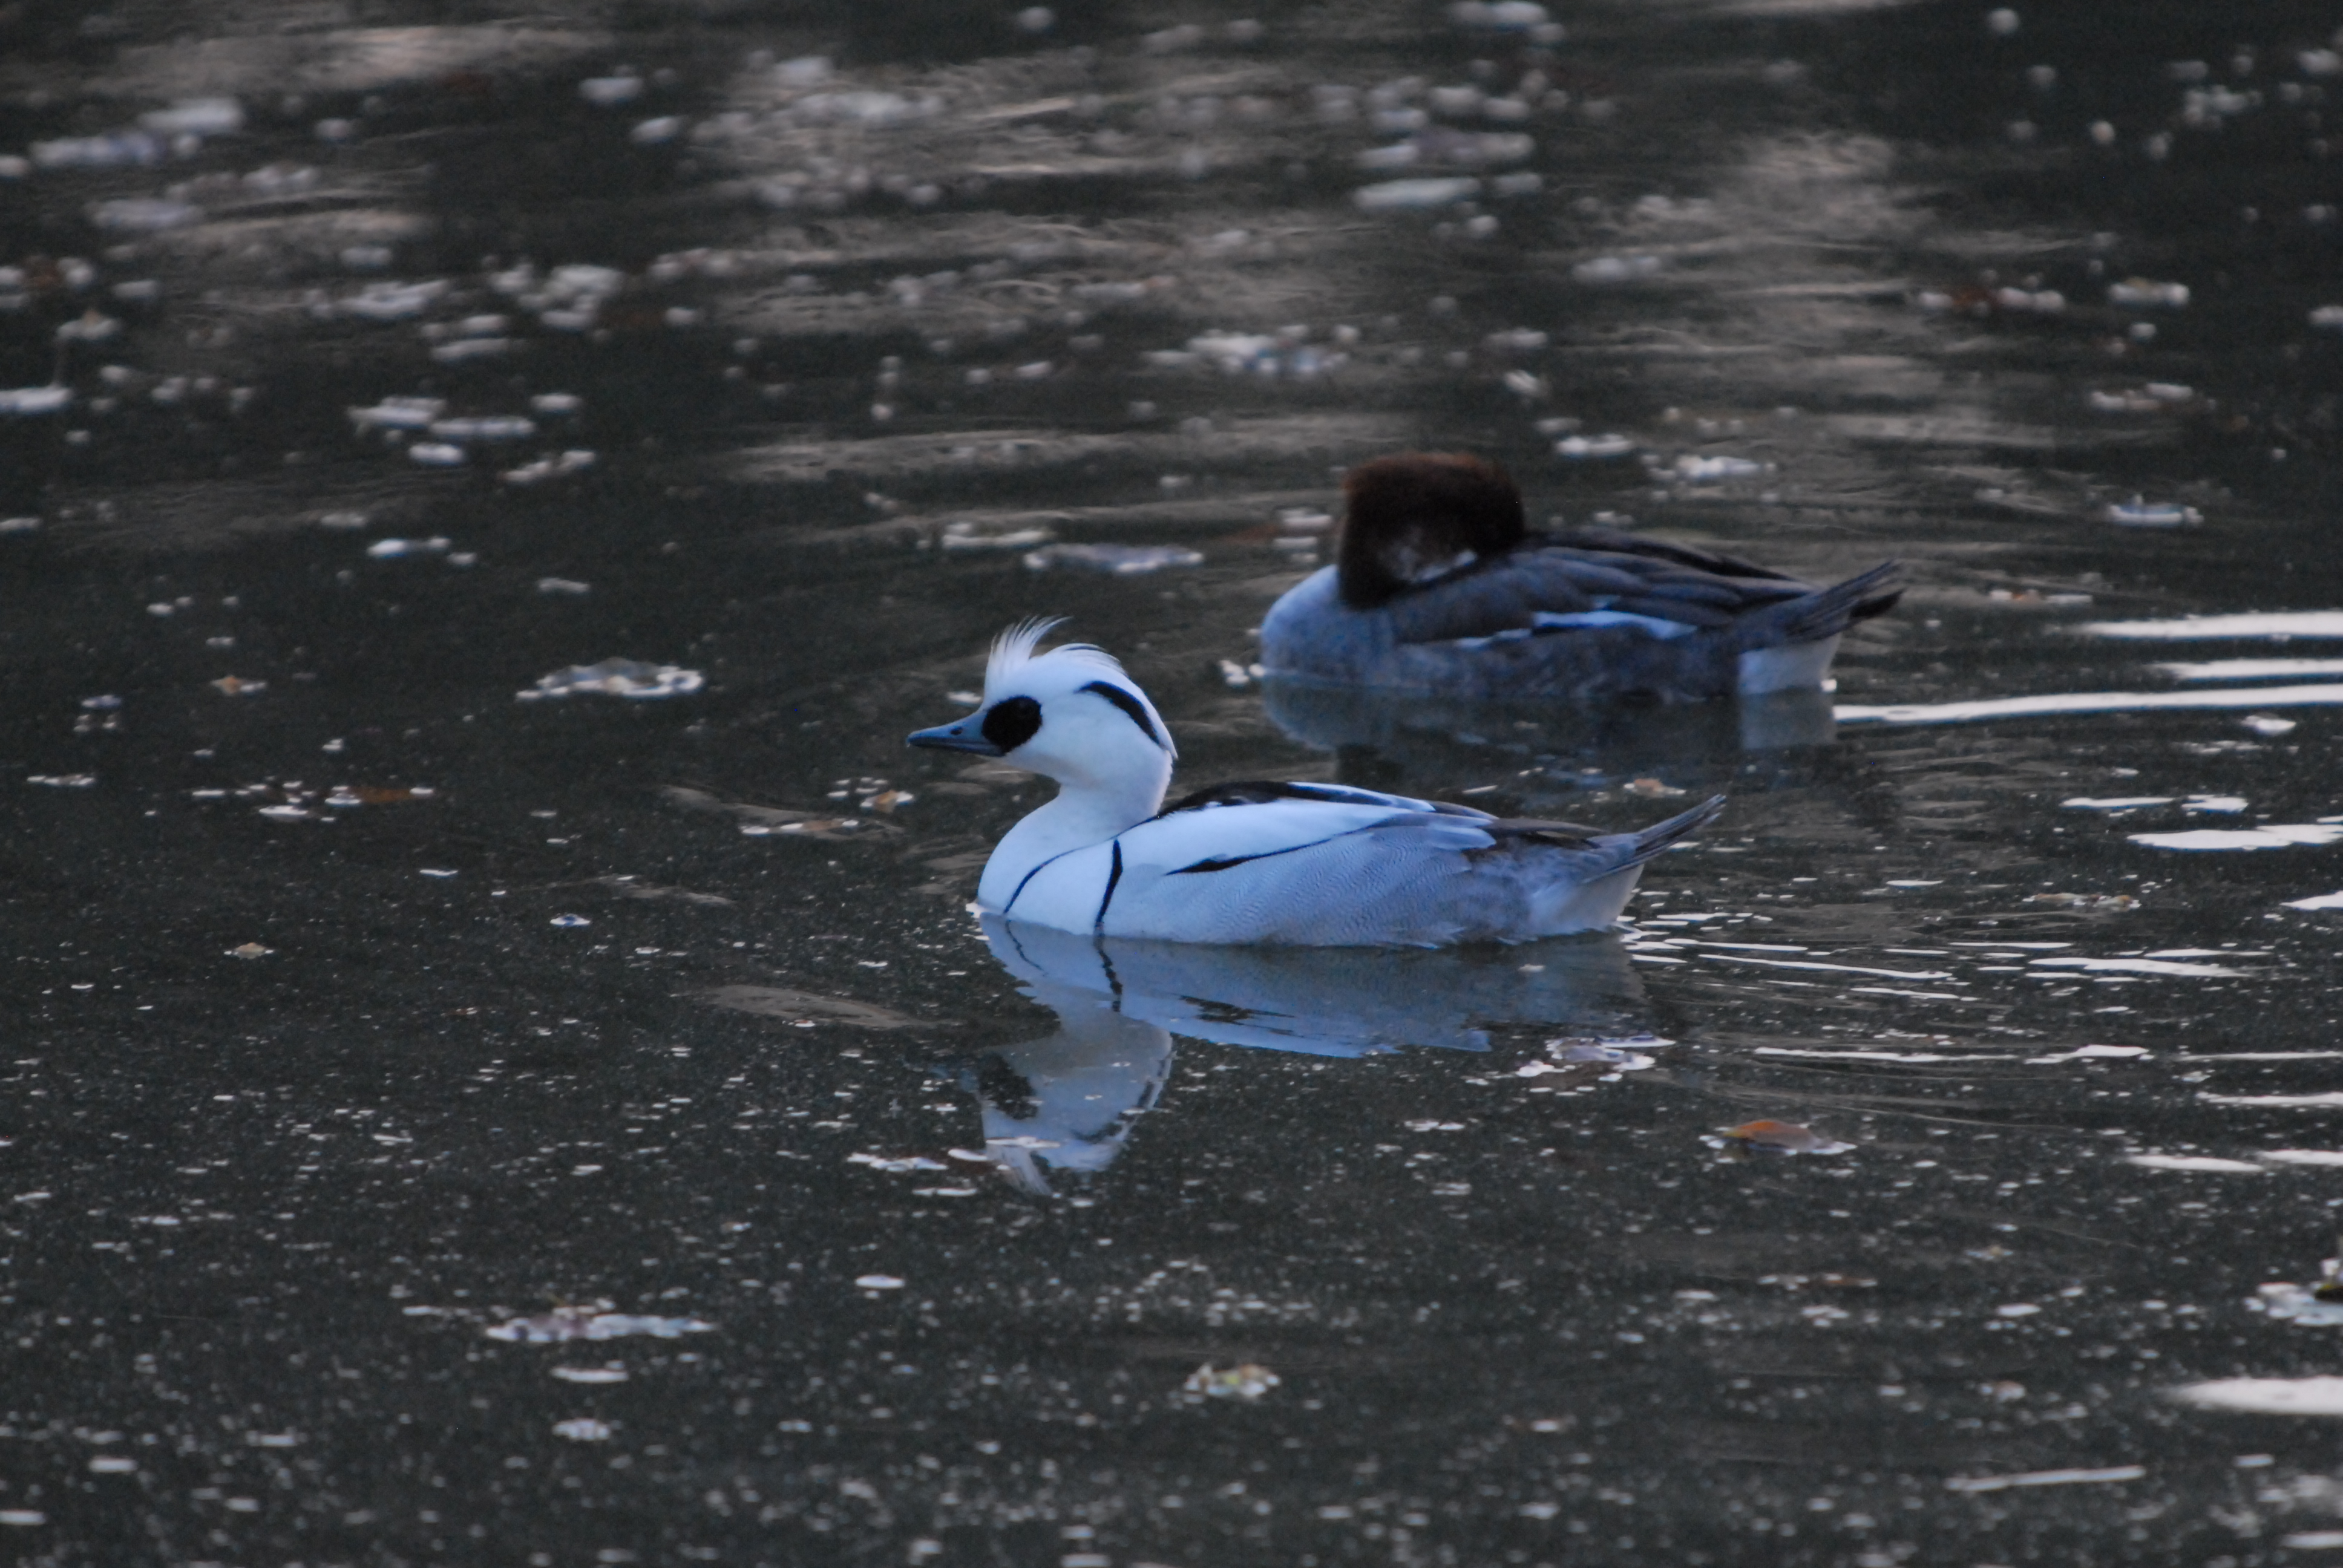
[[1825, 612]]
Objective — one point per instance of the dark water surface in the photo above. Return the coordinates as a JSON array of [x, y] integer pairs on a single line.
[[449, 1127]]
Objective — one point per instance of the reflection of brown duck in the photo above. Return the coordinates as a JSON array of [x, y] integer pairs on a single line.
[[1439, 585]]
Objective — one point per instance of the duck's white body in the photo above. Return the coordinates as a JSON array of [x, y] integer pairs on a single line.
[[1312, 864]]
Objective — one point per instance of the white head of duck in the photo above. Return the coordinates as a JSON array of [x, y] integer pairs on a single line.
[[1317, 864]]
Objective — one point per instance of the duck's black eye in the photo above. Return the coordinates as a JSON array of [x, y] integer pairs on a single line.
[[1012, 722]]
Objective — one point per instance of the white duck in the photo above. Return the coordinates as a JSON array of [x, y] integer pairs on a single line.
[[1311, 864], [1438, 586]]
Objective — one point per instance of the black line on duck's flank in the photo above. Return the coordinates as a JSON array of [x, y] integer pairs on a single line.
[[1012, 722], [1235, 860], [1033, 873], [1130, 706], [1113, 877]]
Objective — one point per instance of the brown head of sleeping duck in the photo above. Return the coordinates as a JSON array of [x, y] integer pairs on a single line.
[[1439, 585]]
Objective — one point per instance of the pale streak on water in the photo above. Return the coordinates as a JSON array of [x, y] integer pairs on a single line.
[[363, 1008]]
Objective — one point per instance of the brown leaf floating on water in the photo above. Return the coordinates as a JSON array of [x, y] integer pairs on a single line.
[[778, 821], [1782, 1137]]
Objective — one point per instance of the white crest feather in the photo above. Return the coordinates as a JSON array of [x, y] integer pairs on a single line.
[[1013, 650], [1013, 656]]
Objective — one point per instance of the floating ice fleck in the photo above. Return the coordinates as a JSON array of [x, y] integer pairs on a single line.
[[2115, 803], [1415, 196], [61, 780], [569, 587], [1692, 466], [195, 117], [2149, 293], [2268, 1395], [964, 536], [908, 1162], [100, 152], [879, 1283], [583, 1429], [2045, 1477], [19, 525], [2143, 966], [437, 455], [571, 922], [2322, 901], [468, 348], [2089, 702], [489, 427], [2315, 623], [609, 91], [1580, 448], [1498, 16], [2268, 836], [397, 414], [144, 214], [2141, 513], [626, 678], [611, 1373], [34, 399], [1116, 560], [1618, 269], [392, 549], [563, 1325], [575, 461], [2205, 1162], [2252, 670], [382, 302]]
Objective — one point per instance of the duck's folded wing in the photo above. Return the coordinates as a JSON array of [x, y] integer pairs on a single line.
[[1261, 791], [1510, 593], [1197, 841]]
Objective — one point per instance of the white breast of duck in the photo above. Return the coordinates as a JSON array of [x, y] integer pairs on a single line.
[[1316, 864], [1439, 585]]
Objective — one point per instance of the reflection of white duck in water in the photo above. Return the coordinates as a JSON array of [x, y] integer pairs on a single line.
[[1307, 864], [1069, 1100], [1439, 585]]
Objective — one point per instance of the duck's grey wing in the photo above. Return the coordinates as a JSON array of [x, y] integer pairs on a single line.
[[1505, 595]]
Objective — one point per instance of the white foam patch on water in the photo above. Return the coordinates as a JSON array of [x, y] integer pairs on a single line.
[[2057, 702], [2268, 1395], [2211, 627], [2268, 835], [2252, 668]]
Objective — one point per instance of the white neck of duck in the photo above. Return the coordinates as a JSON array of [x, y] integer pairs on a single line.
[[1091, 807]]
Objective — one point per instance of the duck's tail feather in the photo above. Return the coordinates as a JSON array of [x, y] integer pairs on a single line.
[[1641, 847], [1591, 888], [1826, 612]]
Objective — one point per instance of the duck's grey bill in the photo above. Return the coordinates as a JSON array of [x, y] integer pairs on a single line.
[[962, 737]]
